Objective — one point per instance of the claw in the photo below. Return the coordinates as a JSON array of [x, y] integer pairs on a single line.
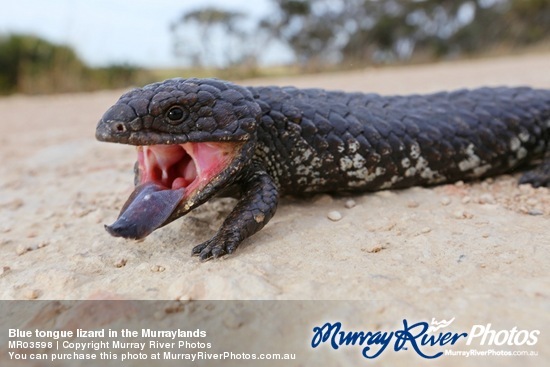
[[206, 253], [230, 248], [204, 250], [217, 251], [198, 249], [206, 257], [213, 248]]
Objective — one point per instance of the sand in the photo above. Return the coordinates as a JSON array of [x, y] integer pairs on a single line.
[[477, 250]]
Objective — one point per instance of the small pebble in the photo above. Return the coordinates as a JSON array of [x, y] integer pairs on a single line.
[[174, 307], [32, 294], [426, 230], [445, 201], [12, 205], [79, 212], [462, 214], [526, 188], [485, 235], [120, 263], [523, 210], [466, 199], [5, 269], [350, 203], [323, 199], [42, 244], [535, 212], [334, 216], [532, 201], [21, 249], [157, 268], [459, 183], [234, 321], [413, 204], [486, 199], [375, 249], [385, 193]]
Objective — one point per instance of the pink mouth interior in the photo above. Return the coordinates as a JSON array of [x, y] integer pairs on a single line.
[[190, 166]]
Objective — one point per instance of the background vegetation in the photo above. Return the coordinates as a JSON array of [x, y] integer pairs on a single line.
[[324, 33], [29, 64], [321, 34]]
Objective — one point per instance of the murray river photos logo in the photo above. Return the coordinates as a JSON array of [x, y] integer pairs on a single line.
[[428, 340]]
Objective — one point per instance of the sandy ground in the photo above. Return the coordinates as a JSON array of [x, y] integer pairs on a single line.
[[476, 250]]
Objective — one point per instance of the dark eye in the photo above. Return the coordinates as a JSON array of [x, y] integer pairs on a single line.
[[176, 115]]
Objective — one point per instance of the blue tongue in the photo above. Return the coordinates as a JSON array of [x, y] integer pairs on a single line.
[[148, 208]]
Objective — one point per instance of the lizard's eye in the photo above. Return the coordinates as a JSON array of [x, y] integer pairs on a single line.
[[176, 115]]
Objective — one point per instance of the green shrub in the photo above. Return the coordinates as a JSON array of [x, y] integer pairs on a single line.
[[29, 64]]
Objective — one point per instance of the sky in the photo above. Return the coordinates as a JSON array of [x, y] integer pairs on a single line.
[[104, 32]]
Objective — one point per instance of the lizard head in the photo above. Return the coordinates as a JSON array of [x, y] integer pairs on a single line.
[[193, 137]]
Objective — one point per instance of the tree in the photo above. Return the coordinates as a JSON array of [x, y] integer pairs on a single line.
[[213, 37], [310, 28], [359, 31], [529, 20], [325, 32]]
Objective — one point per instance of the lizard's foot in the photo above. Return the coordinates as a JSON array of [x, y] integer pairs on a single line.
[[539, 176], [215, 247]]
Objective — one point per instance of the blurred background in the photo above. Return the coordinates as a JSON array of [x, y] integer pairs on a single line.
[[59, 46]]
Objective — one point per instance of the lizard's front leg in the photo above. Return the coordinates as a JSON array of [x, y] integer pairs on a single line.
[[255, 208]]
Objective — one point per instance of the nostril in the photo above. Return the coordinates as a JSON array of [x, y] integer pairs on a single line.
[[120, 127]]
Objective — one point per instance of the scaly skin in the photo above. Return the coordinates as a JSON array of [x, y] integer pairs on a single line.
[[310, 140]]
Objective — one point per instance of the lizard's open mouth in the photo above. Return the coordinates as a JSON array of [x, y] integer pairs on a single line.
[[169, 176], [189, 166]]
